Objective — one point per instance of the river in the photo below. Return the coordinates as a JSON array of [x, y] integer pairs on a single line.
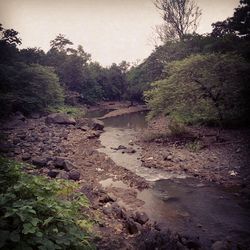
[[176, 201]]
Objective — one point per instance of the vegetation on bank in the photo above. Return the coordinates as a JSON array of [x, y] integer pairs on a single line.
[[203, 88], [208, 72], [38, 213]]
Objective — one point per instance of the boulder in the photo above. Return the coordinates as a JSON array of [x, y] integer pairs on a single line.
[[62, 163], [26, 157], [53, 174], [63, 175], [59, 162], [94, 134], [132, 226], [129, 151], [40, 161], [5, 147], [141, 217], [59, 118], [74, 175], [97, 124]]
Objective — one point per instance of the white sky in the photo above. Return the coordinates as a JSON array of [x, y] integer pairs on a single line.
[[110, 30]]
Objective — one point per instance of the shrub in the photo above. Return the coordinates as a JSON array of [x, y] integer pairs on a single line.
[[37, 213], [209, 88], [75, 112], [28, 88]]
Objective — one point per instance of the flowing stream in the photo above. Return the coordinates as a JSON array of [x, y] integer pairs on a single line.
[[176, 201]]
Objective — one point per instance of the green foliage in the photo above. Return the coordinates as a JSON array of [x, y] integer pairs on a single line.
[[238, 24], [37, 213], [73, 111], [176, 126], [203, 88], [28, 88], [194, 146]]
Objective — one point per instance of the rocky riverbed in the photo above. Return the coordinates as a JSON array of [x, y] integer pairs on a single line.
[[61, 147]]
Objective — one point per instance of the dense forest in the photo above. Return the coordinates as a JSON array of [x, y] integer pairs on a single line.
[[213, 65]]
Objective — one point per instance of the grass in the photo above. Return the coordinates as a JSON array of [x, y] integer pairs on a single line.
[[75, 112]]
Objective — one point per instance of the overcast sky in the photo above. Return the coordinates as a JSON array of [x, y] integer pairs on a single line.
[[110, 30]]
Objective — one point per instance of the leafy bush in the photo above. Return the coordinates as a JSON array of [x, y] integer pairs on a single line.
[[37, 213], [28, 88], [209, 88], [75, 112]]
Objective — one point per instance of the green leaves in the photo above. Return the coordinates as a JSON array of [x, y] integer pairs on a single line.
[[37, 213], [203, 88]]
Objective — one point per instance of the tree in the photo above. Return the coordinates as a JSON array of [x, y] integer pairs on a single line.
[[28, 88], [203, 88], [9, 36], [60, 43], [180, 18], [238, 25]]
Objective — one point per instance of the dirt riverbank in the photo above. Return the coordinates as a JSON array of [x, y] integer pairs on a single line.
[[221, 156], [69, 151]]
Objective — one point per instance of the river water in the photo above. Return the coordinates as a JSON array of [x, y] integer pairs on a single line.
[[176, 201]]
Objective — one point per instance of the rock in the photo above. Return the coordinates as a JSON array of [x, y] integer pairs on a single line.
[[94, 134], [63, 175], [26, 157], [53, 173], [132, 226], [141, 217], [107, 198], [168, 158], [107, 209], [84, 128], [59, 162], [129, 151], [40, 161], [131, 143], [59, 118], [35, 116], [74, 175], [220, 245], [44, 129], [5, 147], [68, 166], [97, 124], [62, 163]]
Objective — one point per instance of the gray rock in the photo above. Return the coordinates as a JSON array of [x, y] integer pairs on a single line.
[[129, 151], [59, 118], [40, 161], [220, 245], [97, 124], [132, 226], [26, 157], [74, 175], [94, 134], [63, 175], [59, 162], [53, 173], [141, 217], [84, 128], [107, 209], [5, 147]]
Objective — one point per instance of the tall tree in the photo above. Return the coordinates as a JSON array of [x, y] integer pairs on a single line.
[[180, 17], [238, 25]]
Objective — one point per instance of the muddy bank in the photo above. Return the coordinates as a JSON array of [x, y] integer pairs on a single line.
[[221, 157], [105, 110]]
